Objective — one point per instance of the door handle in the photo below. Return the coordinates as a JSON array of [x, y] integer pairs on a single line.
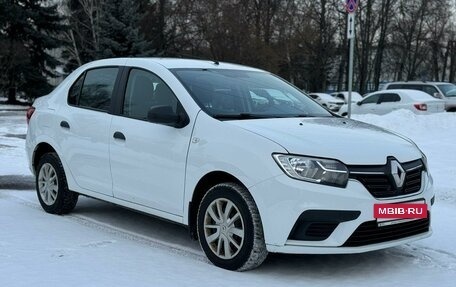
[[65, 124], [119, 136]]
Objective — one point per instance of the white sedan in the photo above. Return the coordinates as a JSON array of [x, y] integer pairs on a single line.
[[242, 158], [327, 101], [383, 102]]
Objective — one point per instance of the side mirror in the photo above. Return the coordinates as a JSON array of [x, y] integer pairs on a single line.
[[438, 96], [359, 103], [165, 115]]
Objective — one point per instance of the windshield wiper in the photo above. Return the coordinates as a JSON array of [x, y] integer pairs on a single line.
[[242, 116], [246, 116]]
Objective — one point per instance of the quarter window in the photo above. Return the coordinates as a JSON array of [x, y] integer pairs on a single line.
[[75, 90], [145, 90]]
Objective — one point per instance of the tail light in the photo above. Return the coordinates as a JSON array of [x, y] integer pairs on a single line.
[[29, 113], [420, 107]]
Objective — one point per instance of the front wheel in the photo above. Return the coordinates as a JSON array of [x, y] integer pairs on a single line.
[[51, 186], [229, 228]]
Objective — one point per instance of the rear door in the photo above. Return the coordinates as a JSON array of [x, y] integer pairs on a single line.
[[148, 158], [84, 129]]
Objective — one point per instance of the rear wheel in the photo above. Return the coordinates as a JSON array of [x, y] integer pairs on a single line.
[[229, 228], [51, 186]]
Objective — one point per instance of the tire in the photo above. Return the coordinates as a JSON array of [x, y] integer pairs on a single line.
[[51, 186], [231, 244]]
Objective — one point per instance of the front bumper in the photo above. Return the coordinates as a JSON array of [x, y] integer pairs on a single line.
[[281, 200]]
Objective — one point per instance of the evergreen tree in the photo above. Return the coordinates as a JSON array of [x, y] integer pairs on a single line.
[[119, 30], [103, 29], [28, 30]]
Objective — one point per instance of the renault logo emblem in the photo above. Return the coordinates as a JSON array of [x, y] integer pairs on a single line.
[[398, 173]]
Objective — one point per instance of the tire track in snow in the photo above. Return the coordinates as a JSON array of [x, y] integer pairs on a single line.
[[425, 257], [121, 233], [422, 256]]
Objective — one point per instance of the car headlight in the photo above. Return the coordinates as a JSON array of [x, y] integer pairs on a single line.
[[316, 170]]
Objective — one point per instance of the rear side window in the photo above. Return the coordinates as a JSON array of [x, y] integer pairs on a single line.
[[430, 90], [395, 86], [405, 86], [389, 98], [94, 89], [340, 97]]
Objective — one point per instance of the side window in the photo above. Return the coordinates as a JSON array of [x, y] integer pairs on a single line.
[[75, 90], [146, 90], [371, 99], [395, 86], [97, 88], [313, 96], [430, 90], [340, 97], [389, 98]]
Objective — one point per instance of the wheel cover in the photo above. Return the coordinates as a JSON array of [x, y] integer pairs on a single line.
[[224, 228], [48, 185]]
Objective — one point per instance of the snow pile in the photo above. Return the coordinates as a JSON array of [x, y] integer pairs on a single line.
[[13, 129], [435, 134]]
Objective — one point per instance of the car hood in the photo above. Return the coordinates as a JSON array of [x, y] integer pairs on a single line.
[[350, 141]]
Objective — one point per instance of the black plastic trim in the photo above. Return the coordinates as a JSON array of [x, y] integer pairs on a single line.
[[317, 225]]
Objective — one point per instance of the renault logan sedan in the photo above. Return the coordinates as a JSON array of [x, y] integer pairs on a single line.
[[383, 102], [244, 159]]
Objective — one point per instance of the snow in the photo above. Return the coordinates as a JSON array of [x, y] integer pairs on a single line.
[[12, 134], [101, 244]]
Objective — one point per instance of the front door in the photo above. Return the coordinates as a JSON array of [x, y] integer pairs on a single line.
[[148, 159]]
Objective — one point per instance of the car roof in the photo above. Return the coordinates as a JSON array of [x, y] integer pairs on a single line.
[[413, 94], [415, 83], [176, 63]]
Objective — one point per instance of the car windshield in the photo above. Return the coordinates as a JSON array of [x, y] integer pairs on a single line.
[[449, 90], [240, 94]]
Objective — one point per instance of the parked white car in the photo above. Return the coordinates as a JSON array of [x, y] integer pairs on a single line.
[[356, 97], [383, 102], [244, 159], [439, 90], [327, 101]]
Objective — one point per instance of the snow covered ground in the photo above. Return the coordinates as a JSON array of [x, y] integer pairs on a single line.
[[100, 244]]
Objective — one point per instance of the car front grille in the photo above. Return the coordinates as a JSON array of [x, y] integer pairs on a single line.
[[378, 180], [370, 233]]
